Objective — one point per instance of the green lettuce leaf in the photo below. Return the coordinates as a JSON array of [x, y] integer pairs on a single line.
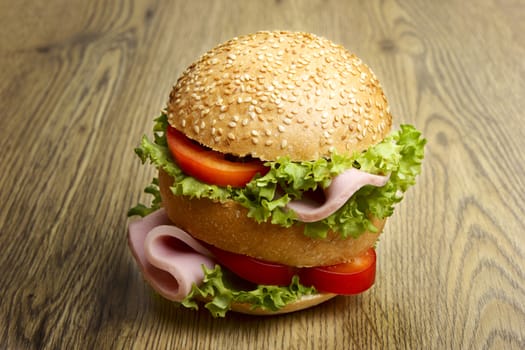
[[143, 210], [400, 155], [221, 288]]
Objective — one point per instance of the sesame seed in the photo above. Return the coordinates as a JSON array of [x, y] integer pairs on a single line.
[[231, 136]]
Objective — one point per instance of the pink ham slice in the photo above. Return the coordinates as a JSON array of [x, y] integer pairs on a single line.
[[340, 190], [170, 259]]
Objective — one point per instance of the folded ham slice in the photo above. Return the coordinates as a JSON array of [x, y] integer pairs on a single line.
[[170, 259], [337, 194]]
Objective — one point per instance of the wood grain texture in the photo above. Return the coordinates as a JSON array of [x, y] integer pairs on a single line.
[[80, 82]]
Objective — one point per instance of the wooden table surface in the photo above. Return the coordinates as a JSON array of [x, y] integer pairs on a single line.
[[80, 82]]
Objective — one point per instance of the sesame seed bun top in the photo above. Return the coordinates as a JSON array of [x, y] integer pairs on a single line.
[[271, 94]]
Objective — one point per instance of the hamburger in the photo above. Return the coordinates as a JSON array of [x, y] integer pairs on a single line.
[[277, 168]]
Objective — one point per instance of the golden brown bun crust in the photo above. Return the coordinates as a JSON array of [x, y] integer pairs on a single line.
[[280, 93], [305, 302], [226, 226]]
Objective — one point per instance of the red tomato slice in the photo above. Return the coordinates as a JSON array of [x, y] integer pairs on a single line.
[[254, 270], [210, 166], [352, 277]]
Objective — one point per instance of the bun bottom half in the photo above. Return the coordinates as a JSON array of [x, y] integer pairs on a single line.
[[305, 302], [228, 227]]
